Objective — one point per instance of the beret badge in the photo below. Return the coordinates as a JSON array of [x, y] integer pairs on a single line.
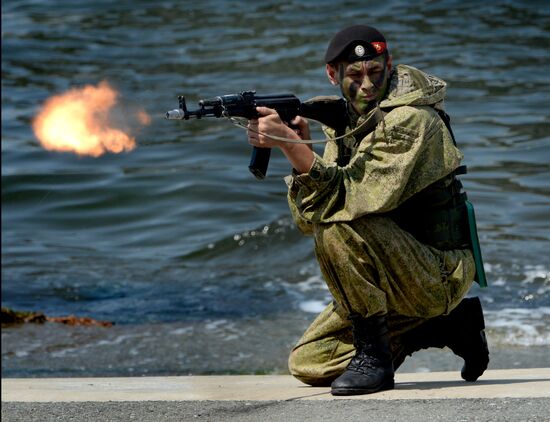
[[359, 51]]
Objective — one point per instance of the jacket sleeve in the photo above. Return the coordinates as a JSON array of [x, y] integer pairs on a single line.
[[408, 150], [331, 154]]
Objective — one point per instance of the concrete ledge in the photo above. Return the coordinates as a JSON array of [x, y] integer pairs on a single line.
[[510, 383]]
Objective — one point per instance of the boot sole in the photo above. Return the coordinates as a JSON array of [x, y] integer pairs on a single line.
[[387, 385]]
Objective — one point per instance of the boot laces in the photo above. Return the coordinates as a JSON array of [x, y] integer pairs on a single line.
[[363, 363]]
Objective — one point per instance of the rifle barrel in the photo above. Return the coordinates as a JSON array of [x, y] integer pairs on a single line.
[[176, 114]]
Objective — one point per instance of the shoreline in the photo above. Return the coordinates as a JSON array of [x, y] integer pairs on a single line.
[[106, 364], [192, 348]]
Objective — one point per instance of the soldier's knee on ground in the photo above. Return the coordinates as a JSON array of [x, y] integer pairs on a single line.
[[302, 368]]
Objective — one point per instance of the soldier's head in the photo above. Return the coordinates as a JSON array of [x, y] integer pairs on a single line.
[[358, 60]]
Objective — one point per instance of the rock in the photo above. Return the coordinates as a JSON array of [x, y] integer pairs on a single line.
[[9, 316]]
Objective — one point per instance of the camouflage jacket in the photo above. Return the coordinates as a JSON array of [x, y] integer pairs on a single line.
[[409, 149]]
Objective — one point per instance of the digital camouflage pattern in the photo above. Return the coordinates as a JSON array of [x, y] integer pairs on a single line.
[[369, 263]]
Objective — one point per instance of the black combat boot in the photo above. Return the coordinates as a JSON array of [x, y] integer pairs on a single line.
[[370, 370], [462, 331]]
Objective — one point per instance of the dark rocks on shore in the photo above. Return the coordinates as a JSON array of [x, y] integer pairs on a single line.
[[12, 317]]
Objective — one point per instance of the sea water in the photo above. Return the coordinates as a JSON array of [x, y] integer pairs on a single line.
[[198, 264]]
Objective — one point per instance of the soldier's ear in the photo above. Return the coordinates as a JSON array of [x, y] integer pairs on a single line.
[[332, 74], [389, 63]]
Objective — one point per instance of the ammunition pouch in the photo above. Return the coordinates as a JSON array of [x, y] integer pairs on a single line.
[[437, 216], [442, 217]]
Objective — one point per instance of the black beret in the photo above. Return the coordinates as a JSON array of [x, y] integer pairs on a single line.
[[357, 42]]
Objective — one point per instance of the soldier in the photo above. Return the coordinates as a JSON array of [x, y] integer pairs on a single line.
[[387, 215]]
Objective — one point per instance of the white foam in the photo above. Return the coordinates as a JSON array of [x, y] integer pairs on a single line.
[[214, 325], [313, 306], [519, 326], [535, 273], [118, 340], [181, 331], [312, 283], [498, 282]]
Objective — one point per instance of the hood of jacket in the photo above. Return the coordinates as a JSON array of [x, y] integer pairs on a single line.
[[412, 87]]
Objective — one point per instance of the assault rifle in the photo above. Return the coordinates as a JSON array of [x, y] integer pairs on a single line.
[[330, 111]]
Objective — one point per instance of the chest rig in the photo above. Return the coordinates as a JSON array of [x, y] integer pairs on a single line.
[[435, 215], [440, 215]]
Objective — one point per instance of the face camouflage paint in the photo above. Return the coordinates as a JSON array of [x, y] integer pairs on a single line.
[[363, 83]]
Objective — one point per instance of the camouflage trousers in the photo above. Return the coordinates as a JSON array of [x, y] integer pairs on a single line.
[[373, 267]]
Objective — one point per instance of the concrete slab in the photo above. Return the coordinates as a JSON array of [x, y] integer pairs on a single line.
[[509, 383]]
